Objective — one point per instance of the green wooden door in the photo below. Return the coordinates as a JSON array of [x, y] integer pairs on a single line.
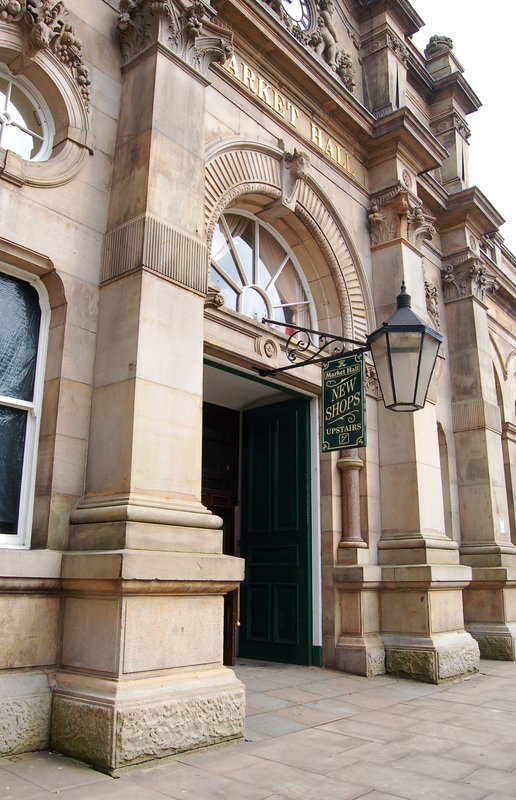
[[275, 534]]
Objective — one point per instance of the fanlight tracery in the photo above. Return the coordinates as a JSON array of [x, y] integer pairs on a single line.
[[258, 274]]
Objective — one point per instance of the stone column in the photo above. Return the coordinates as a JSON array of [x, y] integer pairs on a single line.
[[490, 601], [422, 580], [359, 648], [140, 673]]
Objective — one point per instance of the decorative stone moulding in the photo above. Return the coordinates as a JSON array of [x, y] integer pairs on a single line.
[[398, 214], [321, 37], [45, 26], [235, 169], [465, 275], [386, 38], [432, 304], [186, 28], [39, 45]]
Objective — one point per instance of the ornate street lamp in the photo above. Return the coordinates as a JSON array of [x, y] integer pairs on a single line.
[[404, 351]]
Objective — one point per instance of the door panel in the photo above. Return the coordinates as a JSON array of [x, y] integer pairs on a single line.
[[275, 536]]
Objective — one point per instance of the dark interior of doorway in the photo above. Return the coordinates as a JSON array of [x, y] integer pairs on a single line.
[[274, 524]]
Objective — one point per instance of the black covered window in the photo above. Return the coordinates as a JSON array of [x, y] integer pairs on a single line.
[[19, 340]]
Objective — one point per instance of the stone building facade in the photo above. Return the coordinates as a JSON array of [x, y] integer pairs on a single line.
[[171, 172]]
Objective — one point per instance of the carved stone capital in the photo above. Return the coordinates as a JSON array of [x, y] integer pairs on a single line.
[[397, 214], [464, 275], [450, 122], [45, 28], [186, 28], [386, 38]]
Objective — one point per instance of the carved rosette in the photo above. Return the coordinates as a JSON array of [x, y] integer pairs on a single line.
[[322, 38], [186, 28], [464, 275], [398, 214], [46, 27]]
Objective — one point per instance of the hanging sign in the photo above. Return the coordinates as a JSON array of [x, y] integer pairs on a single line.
[[343, 403]]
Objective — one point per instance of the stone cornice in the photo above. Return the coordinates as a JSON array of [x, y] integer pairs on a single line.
[[402, 133], [472, 206], [456, 85], [260, 36], [402, 10]]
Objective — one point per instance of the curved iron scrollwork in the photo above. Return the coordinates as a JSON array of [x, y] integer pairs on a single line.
[[300, 340]]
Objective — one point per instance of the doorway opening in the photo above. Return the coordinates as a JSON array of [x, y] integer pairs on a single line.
[[257, 478]]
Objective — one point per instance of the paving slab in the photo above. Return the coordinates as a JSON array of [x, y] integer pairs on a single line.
[[316, 734]]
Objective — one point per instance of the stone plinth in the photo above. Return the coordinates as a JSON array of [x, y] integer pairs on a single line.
[[490, 611], [140, 674], [359, 648], [423, 625]]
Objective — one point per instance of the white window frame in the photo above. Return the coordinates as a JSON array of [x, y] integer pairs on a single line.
[[22, 538], [36, 99]]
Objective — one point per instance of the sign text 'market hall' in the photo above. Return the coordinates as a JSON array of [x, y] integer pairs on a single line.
[[285, 108]]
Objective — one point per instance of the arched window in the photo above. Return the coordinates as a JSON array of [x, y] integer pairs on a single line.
[[26, 125], [23, 336], [257, 272]]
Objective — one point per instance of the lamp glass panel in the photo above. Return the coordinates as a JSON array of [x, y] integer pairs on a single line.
[[404, 349], [429, 350], [381, 362]]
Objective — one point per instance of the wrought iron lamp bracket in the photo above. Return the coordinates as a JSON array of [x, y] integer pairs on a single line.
[[301, 339]]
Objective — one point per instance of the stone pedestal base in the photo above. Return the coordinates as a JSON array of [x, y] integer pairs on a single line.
[[140, 673], [115, 725], [423, 623], [490, 611], [359, 648]]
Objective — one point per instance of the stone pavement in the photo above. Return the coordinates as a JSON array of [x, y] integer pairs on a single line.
[[314, 733]]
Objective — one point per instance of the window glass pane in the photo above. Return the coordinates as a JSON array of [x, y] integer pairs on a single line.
[[224, 258], [19, 142], [12, 441], [253, 305], [3, 94], [272, 255], [19, 333], [227, 292], [242, 233], [23, 112]]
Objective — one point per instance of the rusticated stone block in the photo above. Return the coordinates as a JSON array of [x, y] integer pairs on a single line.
[[499, 648], [418, 664], [24, 724], [162, 730], [375, 662], [113, 737], [83, 730], [458, 661]]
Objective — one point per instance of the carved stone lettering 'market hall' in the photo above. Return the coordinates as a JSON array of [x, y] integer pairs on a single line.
[[171, 173]]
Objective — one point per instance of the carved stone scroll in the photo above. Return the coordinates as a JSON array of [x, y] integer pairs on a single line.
[[464, 275]]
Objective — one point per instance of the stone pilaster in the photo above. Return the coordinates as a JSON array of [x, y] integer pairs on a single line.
[[422, 580], [140, 672], [490, 601]]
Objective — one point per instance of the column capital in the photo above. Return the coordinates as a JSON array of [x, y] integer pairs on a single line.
[[185, 28]]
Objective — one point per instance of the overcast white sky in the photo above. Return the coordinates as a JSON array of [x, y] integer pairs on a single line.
[[483, 41]]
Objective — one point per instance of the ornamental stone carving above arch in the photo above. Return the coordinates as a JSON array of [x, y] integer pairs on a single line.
[[235, 169], [39, 45]]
